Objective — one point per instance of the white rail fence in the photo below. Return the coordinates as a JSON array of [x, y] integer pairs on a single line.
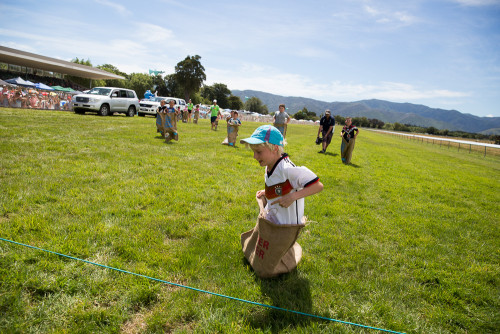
[[460, 144]]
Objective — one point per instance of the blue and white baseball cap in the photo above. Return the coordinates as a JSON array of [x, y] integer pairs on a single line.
[[265, 134]]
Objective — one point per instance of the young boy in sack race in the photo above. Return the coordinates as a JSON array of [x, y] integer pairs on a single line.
[[233, 124], [271, 247], [168, 118]]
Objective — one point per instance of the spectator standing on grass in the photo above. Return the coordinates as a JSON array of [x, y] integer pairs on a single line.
[[57, 103], [4, 99], [190, 110], [214, 115], [179, 112], [326, 127], [33, 102], [348, 134], [281, 120], [16, 100]]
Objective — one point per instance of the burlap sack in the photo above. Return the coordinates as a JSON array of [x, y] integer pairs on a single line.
[[159, 123], [196, 116], [281, 127], [169, 132], [232, 133], [271, 248]]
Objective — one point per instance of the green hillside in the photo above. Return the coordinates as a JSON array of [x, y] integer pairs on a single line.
[[388, 112], [407, 238]]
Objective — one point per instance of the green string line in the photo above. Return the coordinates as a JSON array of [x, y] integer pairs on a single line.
[[204, 291]]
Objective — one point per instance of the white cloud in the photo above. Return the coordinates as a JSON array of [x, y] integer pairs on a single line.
[[478, 2], [390, 17], [270, 80], [152, 33], [119, 8], [490, 115]]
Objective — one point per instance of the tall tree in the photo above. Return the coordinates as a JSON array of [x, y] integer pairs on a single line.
[[235, 102], [123, 83], [218, 91], [173, 89], [190, 75], [159, 85], [140, 82], [254, 104]]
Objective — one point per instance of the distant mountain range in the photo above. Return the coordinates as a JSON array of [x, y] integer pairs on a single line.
[[388, 112]]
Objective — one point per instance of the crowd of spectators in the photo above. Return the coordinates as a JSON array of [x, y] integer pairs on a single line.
[[13, 96], [32, 98]]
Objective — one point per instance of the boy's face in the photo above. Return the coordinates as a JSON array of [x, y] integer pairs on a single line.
[[265, 156], [282, 109]]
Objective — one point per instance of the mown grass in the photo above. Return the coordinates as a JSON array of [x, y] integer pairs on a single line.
[[407, 238]]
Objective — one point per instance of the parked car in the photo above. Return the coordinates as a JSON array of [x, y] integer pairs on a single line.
[[106, 101], [149, 106]]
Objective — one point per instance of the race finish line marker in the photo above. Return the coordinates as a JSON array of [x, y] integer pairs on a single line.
[[204, 291]]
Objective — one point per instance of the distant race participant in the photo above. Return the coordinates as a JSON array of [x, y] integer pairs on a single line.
[[169, 118], [196, 114], [281, 120], [348, 134]]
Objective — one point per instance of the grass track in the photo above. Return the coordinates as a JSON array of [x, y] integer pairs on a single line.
[[407, 238]]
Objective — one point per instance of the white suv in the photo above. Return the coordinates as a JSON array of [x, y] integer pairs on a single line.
[[150, 106], [106, 101]]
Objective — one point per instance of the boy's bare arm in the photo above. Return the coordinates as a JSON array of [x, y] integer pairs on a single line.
[[261, 194], [288, 199]]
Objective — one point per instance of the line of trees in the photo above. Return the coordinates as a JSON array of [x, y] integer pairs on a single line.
[[187, 82], [306, 115]]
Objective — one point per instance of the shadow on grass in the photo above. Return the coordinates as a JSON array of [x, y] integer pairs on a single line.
[[331, 154], [287, 291]]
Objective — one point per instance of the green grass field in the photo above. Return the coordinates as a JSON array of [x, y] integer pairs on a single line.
[[406, 238]]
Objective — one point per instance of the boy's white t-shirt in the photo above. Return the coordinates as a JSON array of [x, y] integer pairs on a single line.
[[299, 178]]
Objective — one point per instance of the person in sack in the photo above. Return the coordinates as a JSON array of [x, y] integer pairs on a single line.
[[169, 122], [196, 114], [281, 120], [233, 123], [271, 247], [326, 128], [185, 115], [349, 133], [159, 120]]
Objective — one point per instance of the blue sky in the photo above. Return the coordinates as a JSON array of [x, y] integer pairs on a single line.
[[440, 53]]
